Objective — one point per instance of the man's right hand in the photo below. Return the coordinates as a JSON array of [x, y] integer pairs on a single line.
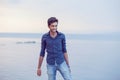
[[39, 72]]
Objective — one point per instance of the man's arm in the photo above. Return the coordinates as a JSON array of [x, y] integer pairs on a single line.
[[39, 65], [41, 57], [66, 59], [65, 50], [40, 62]]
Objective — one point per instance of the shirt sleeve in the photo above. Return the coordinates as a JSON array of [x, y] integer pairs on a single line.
[[64, 44], [43, 46]]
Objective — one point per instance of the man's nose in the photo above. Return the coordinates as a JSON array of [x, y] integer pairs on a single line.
[[54, 26]]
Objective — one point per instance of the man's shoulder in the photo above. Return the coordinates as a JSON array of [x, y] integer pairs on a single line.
[[45, 35], [60, 33]]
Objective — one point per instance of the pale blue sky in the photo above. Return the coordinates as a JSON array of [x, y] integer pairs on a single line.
[[75, 16]]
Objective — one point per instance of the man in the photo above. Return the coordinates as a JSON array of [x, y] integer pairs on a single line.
[[57, 58]]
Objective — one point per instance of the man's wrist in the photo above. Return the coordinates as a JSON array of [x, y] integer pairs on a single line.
[[38, 68], [68, 66]]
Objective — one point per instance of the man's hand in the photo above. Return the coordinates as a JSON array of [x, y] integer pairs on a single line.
[[39, 72], [69, 69]]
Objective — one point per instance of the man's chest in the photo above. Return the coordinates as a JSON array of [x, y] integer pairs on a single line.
[[56, 41]]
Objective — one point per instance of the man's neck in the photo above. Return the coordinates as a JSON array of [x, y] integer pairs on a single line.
[[53, 34]]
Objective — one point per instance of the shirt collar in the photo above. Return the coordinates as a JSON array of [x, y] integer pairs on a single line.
[[56, 31]]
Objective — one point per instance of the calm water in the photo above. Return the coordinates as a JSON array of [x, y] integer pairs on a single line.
[[89, 59]]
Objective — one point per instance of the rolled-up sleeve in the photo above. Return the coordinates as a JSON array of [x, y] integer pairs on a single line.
[[43, 46], [64, 44]]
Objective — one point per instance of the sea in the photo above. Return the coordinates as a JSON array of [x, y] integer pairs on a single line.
[[91, 57]]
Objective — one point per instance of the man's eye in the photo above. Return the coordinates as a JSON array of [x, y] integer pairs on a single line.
[[54, 25]]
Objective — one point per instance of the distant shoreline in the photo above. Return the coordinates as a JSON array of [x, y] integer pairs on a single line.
[[68, 36]]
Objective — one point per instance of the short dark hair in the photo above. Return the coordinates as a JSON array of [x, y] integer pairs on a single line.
[[52, 20]]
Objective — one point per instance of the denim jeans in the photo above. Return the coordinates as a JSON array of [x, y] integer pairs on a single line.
[[62, 68]]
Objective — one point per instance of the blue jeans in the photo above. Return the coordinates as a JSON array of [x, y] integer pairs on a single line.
[[62, 68]]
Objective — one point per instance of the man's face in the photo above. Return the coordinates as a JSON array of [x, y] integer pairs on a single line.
[[53, 27]]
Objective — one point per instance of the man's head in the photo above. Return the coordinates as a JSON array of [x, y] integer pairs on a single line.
[[52, 20], [52, 24]]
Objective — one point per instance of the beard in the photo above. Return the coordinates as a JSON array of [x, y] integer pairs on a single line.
[[53, 30]]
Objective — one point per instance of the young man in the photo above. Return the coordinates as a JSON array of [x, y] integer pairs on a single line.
[[57, 58]]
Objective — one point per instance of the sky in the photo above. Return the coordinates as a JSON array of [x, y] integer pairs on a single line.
[[75, 16]]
